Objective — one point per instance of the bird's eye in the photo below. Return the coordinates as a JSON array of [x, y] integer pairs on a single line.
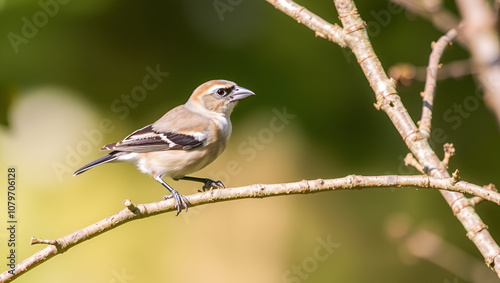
[[221, 92]]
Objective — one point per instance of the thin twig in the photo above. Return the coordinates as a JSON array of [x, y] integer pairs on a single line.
[[449, 151], [411, 161], [134, 212], [321, 27], [476, 200], [430, 83], [479, 35], [406, 74]]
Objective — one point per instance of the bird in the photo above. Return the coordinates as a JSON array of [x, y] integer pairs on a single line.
[[184, 140]]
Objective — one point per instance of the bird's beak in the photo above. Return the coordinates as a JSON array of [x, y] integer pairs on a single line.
[[239, 93]]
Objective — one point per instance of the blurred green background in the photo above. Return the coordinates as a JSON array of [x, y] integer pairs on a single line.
[[65, 68]]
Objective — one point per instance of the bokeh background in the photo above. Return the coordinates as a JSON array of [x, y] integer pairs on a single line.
[[64, 82]]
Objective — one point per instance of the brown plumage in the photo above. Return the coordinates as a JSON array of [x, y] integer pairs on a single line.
[[184, 140]]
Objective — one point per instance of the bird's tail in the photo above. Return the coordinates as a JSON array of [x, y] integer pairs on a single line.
[[105, 159]]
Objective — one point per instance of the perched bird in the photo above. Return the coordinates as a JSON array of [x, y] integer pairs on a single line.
[[186, 139]]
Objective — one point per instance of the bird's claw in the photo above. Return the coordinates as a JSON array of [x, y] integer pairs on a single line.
[[211, 184], [180, 201]]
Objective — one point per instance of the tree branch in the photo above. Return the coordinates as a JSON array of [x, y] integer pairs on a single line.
[[481, 34], [388, 100], [134, 212], [303, 16], [430, 83], [406, 73]]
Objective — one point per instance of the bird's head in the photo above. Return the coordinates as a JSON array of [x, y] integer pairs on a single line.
[[217, 97]]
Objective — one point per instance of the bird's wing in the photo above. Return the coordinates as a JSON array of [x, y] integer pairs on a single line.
[[148, 139]]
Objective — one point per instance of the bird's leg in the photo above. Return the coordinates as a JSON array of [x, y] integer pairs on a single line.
[[208, 184], [175, 194]]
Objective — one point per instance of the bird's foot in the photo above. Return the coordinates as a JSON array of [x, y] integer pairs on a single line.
[[211, 184], [179, 199], [208, 184]]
